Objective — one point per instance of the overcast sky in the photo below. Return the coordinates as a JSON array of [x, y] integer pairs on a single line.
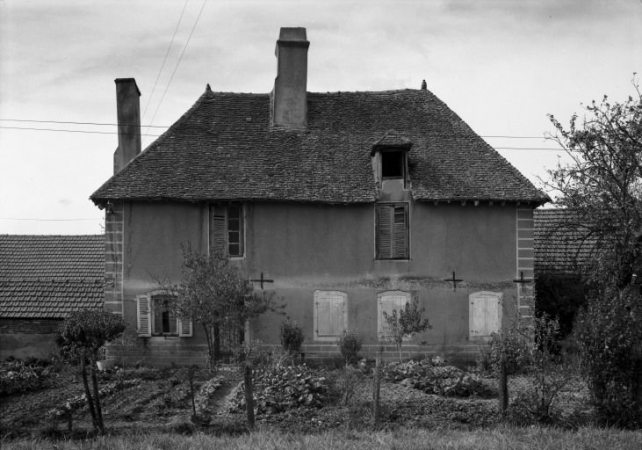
[[500, 65]]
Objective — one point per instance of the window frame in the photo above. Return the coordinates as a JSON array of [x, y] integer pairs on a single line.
[[320, 296], [385, 154], [146, 318], [219, 216], [392, 253]]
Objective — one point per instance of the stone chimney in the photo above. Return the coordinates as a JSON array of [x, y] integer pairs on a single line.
[[289, 97], [129, 133]]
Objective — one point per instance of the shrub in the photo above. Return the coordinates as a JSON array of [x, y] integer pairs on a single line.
[[610, 341], [512, 345], [291, 337], [350, 345]]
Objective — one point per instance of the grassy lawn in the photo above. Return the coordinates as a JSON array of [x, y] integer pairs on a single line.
[[495, 439]]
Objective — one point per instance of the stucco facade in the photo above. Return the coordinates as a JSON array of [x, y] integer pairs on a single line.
[[305, 248]]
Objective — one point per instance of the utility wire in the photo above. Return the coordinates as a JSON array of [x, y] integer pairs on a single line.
[[69, 131], [171, 43], [169, 83], [48, 220], [79, 123]]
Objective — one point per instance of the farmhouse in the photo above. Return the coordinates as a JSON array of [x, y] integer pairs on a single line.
[[343, 204], [42, 279]]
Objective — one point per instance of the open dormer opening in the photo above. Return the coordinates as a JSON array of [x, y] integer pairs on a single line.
[[393, 164]]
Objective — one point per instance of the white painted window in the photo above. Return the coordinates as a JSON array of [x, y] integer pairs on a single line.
[[485, 314], [157, 318], [387, 302], [330, 315]]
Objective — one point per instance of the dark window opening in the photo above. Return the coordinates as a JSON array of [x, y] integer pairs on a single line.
[[392, 164], [164, 316]]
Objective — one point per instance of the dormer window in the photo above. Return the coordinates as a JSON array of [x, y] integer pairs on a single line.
[[393, 164], [390, 158]]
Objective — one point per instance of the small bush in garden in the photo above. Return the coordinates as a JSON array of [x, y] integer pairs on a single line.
[[350, 345], [17, 376], [515, 348], [291, 337]]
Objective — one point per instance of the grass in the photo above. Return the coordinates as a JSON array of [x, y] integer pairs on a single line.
[[409, 439]]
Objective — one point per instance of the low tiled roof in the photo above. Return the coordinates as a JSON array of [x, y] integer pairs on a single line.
[[559, 248], [50, 276], [224, 148]]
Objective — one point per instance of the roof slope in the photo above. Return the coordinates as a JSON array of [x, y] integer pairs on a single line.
[[50, 276], [559, 248], [224, 148]]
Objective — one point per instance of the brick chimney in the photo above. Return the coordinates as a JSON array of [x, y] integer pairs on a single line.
[[289, 97], [128, 111]]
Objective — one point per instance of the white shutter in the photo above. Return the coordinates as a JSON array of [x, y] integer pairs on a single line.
[[330, 318], [218, 229], [485, 314], [184, 327], [143, 304], [389, 301]]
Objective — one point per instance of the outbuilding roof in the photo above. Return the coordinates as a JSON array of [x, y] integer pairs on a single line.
[[224, 148], [50, 276], [559, 248]]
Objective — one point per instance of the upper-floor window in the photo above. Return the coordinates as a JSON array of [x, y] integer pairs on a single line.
[[393, 164], [227, 233], [392, 231]]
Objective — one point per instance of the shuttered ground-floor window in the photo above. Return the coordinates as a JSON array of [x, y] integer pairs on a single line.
[[330, 315], [156, 317], [387, 302]]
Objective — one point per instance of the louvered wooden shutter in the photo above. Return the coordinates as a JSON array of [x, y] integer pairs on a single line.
[[392, 231], [384, 231], [218, 242], [185, 327], [144, 316]]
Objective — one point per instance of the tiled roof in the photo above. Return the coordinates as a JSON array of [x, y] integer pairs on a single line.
[[50, 276], [558, 248], [224, 148]]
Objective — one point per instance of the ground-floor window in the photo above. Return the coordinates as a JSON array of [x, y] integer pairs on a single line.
[[157, 317], [330, 314]]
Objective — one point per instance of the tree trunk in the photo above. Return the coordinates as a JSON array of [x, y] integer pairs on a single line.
[[85, 382], [94, 381], [249, 397]]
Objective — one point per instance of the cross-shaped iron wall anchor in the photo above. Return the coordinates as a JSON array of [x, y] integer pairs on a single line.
[[262, 280], [521, 279], [454, 281]]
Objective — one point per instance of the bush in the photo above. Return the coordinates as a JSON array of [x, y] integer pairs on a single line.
[[515, 350], [291, 337], [350, 345], [610, 341], [17, 376]]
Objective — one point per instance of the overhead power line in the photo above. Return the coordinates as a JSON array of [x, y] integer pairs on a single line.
[[48, 220], [69, 131], [78, 123], [171, 43], [180, 58]]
